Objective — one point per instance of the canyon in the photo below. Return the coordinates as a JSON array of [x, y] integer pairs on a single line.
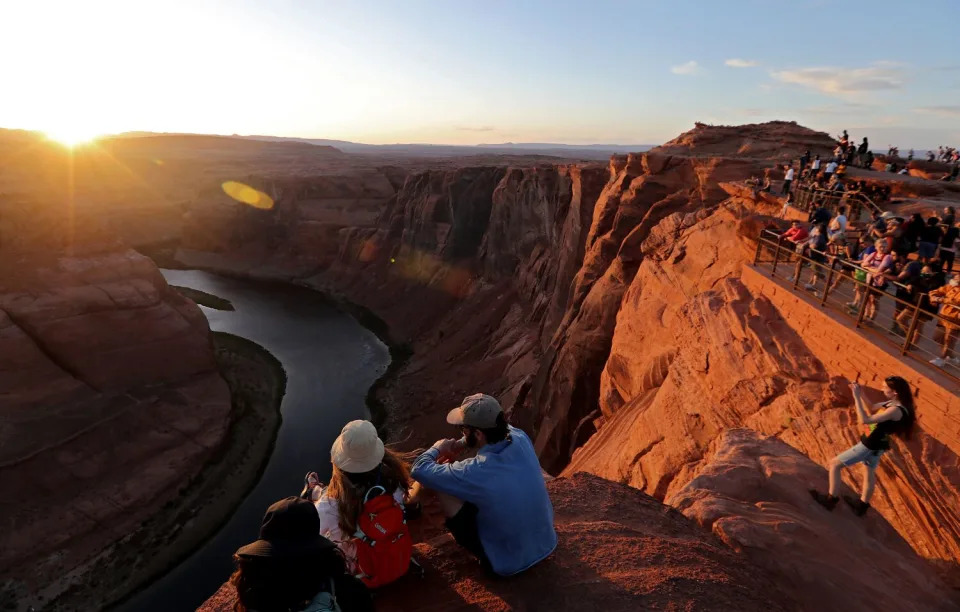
[[610, 309]]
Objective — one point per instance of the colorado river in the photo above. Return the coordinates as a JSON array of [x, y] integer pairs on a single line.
[[330, 361]]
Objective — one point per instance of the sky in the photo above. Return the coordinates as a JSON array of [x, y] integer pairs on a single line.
[[490, 71]]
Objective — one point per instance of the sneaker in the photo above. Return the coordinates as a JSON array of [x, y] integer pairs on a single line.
[[859, 506], [954, 361], [809, 287], [790, 278], [937, 361], [827, 501]]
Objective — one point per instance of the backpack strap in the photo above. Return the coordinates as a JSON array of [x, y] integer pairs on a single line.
[[375, 487]]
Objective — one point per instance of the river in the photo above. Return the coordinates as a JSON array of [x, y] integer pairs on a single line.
[[330, 361]]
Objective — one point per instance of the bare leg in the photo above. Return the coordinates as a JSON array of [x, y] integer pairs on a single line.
[[413, 495], [835, 467], [869, 480], [949, 340]]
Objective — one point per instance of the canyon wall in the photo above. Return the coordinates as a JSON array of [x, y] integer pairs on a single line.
[[110, 398]]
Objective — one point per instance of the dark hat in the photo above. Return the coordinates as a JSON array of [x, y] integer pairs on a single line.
[[290, 528]]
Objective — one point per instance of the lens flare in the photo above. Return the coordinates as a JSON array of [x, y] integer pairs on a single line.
[[246, 194]]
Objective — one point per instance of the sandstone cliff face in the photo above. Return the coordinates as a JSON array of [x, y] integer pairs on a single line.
[[110, 401], [751, 492]]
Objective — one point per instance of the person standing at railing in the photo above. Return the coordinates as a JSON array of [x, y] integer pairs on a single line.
[[919, 291], [895, 416], [907, 281], [930, 237], [878, 264], [787, 179], [949, 216], [948, 297], [813, 248], [834, 250], [850, 258], [839, 223], [829, 170], [912, 230], [796, 234], [815, 167], [948, 251]]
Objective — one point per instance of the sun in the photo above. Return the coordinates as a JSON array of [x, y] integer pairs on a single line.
[[71, 136]]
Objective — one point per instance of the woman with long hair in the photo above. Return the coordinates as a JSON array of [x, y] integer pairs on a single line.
[[895, 416], [292, 568], [360, 463]]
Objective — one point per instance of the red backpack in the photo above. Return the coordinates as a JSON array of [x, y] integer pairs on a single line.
[[384, 546]]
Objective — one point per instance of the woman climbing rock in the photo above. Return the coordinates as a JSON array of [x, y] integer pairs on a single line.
[[893, 416]]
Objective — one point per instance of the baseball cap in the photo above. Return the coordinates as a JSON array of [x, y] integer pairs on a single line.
[[478, 410], [358, 449], [290, 528]]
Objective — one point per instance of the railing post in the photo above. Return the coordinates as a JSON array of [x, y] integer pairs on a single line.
[[756, 257], [908, 341], [776, 256], [826, 287], [864, 300], [797, 271]]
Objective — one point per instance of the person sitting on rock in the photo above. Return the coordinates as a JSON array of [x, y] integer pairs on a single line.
[[362, 468], [291, 567], [496, 503], [895, 416]]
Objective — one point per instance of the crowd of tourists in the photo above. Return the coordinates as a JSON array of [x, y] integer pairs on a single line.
[[813, 172], [326, 549], [912, 256]]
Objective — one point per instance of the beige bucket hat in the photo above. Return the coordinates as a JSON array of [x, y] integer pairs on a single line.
[[358, 448]]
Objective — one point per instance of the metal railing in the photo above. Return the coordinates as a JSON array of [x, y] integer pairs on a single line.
[[845, 288], [810, 197]]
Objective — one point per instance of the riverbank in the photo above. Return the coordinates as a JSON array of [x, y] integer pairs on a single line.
[[400, 352], [257, 382]]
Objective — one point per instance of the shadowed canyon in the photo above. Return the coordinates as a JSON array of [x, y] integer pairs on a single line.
[[683, 405]]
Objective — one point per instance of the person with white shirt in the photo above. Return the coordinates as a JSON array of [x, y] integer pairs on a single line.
[[838, 225], [788, 179], [830, 169]]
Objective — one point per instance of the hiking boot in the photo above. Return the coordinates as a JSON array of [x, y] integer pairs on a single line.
[[827, 501], [859, 506]]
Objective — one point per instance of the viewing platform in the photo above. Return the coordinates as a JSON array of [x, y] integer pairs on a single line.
[[851, 346]]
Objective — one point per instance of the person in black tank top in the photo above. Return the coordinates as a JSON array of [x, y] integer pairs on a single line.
[[895, 416]]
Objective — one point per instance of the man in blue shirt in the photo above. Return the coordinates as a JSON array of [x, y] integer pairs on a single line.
[[496, 503]]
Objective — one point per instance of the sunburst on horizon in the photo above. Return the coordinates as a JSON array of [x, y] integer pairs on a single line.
[[71, 136]]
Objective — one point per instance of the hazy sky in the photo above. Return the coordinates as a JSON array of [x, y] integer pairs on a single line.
[[450, 71]]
